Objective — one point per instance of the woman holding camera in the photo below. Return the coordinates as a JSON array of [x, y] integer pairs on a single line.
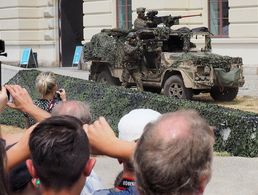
[[50, 94]]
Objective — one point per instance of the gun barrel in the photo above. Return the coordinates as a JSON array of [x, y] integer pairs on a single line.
[[188, 16]]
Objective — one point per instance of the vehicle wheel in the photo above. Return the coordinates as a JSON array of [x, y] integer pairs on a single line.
[[174, 86], [106, 77], [227, 94]]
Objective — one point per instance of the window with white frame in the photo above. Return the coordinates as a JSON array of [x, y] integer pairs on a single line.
[[218, 17]]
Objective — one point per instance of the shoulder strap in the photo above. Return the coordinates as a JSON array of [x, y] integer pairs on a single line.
[[51, 105]]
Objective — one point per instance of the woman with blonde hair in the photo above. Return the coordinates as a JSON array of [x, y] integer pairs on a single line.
[[46, 85]]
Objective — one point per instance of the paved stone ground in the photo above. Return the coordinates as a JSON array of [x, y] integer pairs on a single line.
[[10, 71], [234, 176], [250, 87]]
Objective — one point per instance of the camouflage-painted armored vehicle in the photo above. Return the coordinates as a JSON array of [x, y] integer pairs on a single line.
[[173, 63]]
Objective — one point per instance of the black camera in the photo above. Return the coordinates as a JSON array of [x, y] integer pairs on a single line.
[[57, 95], [2, 50], [2, 46]]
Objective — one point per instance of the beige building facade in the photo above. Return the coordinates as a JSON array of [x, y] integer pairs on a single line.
[[28, 23], [36, 24]]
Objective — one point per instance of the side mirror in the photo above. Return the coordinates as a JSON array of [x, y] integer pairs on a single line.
[[2, 46]]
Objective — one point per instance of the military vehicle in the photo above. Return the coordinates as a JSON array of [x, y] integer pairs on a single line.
[[173, 63]]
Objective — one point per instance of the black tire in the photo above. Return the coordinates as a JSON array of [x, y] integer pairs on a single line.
[[227, 94], [106, 77], [174, 86]]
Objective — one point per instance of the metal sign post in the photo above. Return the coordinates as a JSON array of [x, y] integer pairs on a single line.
[[78, 57], [28, 59]]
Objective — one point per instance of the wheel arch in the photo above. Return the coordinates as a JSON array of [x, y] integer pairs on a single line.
[[97, 67], [187, 81]]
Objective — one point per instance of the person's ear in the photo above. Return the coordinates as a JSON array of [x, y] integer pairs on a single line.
[[204, 180], [31, 168], [120, 161], [89, 166]]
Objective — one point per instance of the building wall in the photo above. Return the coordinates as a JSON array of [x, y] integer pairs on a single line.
[[29, 23], [243, 31], [98, 15], [243, 18], [243, 41]]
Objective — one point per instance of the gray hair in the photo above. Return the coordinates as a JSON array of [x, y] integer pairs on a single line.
[[173, 165], [74, 108]]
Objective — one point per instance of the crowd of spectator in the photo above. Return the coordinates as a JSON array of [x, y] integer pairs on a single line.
[[162, 154]]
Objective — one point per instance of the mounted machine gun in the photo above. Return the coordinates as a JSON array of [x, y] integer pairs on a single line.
[[153, 20]]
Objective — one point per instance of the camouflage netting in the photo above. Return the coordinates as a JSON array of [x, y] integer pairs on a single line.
[[162, 33], [206, 58], [236, 130], [230, 79], [105, 47]]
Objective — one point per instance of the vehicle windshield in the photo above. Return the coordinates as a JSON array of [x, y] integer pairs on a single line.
[[184, 42], [201, 41]]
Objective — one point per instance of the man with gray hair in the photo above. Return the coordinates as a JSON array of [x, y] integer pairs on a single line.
[[174, 155], [74, 108]]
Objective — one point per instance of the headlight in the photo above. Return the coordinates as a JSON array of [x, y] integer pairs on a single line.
[[234, 66], [202, 73]]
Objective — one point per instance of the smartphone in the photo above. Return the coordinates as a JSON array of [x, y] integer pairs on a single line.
[[9, 97]]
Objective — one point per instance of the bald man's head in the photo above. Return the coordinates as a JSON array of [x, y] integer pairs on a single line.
[[174, 153], [73, 108]]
